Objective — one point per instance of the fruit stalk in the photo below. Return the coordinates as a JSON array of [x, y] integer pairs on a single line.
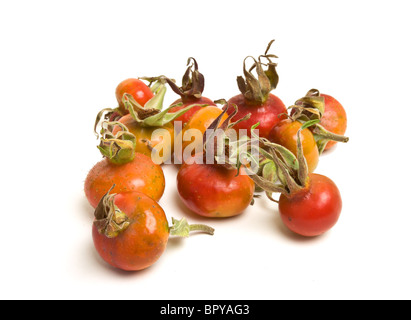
[[181, 228]]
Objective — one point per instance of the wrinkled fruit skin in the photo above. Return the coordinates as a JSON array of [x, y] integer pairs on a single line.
[[145, 239], [140, 175], [189, 114], [145, 139], [334, 118], [313, 210], [200, 121], [137, 88], [267, 114], [285, 134], [214, 191]]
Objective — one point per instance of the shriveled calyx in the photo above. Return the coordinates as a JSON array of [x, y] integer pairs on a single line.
[[110, 221], [119, 148], [219, 145], [152, 113], [312, 107], [192, 84], [280, 170], [111, 114], [257, 89]]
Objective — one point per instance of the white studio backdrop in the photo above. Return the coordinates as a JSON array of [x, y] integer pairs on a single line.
[[59, 65]]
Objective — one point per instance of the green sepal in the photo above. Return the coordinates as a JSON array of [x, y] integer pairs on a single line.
[[156, 102], [118, 148], [165, 116], [269, 172], [309, 123], [151, 115], [117, 151], [285, 163], [287, 156]]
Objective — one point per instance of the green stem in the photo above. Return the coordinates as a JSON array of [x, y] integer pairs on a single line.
[[202, 227], [181, 228]]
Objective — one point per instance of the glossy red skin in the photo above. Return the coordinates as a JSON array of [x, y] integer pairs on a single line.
[[189, 114], [267, 114], [313, 210], [214, 191], [137, 88], [140, 175], [142, 243], [334, 118], [285, 134]]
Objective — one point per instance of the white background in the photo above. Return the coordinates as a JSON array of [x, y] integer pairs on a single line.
[[60, 63]]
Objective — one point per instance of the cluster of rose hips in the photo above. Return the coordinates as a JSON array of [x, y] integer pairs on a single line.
[[252, 144]]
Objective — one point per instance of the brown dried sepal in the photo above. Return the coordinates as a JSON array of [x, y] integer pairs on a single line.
[[109, 219], [257, 89], [192, 86]]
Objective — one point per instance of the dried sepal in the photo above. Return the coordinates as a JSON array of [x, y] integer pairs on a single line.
[[110, 221], [265, 184], [213, 128], [322, 136], [192, 82], [257, 89], [229, 153], [282, 172], [192, 85], [105, 115], [119, 148], [271, 71], [312, 107]]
